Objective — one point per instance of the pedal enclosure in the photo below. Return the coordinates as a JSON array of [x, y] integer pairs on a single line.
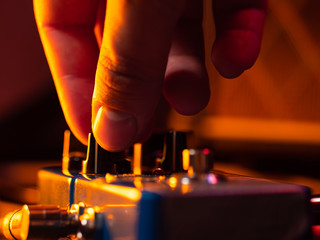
[[148, 208]]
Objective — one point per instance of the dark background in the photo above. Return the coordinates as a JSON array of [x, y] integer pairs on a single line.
[[282, 88]]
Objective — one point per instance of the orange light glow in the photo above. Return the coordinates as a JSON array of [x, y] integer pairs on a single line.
[[185, 188], [172, 182], [185, 159], [250, 129], [109, 178], [65, 171], [74, 208], [81, 204], [90, 211], [126, 192], [66, 143], [161, 178], [137, 182], [120, 205], [84, 174], [137, 148], [65, 153], [190, 171]]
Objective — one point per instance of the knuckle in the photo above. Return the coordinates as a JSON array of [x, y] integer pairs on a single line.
[[122, 82], [119, 74]]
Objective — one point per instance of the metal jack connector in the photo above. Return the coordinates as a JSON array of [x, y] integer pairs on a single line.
[[52, 222]]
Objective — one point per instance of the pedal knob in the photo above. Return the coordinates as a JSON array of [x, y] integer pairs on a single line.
[[174, 143], [161, 151], [101, 161]]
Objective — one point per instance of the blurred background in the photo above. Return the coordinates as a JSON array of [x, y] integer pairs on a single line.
[[265, 123], [31, 121], [272, 109]]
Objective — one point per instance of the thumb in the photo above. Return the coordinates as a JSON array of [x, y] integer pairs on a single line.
[[131, 67]]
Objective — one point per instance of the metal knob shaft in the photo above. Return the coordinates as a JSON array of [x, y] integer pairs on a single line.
[[198, 161]]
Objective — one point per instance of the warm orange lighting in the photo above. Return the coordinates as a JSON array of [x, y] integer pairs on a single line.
[[85, 175], [161, 178], [185, 188], [90, 211], [137, 183], [120, 205], [109, 178], [66, 143], [74, 208], [81, 204], [185, 159], [137, 148], [15, 225], [185, 185], [250, 129], [190, 171], [65, 153], [172, 182], [65, 162], [126, 192]]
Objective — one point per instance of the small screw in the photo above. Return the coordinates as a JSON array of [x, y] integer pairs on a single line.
[[158, 172]]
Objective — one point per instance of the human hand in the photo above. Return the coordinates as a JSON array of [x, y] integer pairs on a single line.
[[148, 47]]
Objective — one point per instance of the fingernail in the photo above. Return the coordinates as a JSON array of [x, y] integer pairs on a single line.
[[114, 130]]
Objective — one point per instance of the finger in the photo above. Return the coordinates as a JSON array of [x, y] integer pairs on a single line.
[[66, 30], [99, 26], [186, 85], [239, 27], [131, 66]]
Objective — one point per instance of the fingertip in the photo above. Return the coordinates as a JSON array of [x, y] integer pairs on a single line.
[[187, 88], [79, 124], [81, 136], [235, 51], [114, 130]]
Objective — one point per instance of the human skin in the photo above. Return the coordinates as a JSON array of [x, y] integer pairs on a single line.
[[111, 85]]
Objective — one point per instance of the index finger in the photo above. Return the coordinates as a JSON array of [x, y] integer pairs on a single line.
[[67, 32], [131, 68]]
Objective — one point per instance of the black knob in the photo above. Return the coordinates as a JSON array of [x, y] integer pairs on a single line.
[[174, 143], [101, 161], [161, 154], [150, 152]]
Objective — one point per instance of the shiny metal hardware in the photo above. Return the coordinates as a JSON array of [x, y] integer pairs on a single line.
[[38, 222], [200, 161], [51, 222], [74, 153]]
